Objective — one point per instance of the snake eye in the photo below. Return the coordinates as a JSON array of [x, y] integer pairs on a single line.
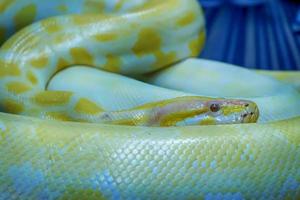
[[214, 107]]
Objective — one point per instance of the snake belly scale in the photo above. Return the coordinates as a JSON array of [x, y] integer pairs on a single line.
[[46, 159]]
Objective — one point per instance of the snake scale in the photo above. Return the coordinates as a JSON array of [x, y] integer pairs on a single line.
[[49, 159]]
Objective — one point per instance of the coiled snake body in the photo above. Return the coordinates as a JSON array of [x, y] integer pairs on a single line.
[[46, 159]]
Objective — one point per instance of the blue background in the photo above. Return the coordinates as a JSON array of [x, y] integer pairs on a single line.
[[260, 36]]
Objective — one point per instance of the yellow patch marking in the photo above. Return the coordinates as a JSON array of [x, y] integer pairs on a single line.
[[4, 4], [208, 121], [113, 63], [12, 106], [86, 19], [172, 118], [148, 41], [40, 62], [61, 64], [32, 78], [17, 87], [163, 6], [62, 8], [58, 116], [61, 38], [51, 26], [25, 16], [9, 69], [52, 98], [86, 106], [94, 6], [163, 59], [81, 56], [232, 109], [187, 19], [119, 5], [106, 37], [75, 193], [127, 122], [196, 45]]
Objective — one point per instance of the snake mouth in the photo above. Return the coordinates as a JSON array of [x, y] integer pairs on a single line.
[[251, 114]]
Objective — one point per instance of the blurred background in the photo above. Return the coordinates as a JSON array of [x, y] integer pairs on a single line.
[[261, 34]]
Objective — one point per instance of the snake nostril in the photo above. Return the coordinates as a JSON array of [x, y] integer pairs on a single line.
[[251, 113], [246, 105], [244, 115]]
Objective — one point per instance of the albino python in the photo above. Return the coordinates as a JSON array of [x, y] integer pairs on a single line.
[[49, 158]]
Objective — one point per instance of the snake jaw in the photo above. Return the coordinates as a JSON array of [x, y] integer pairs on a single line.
[[251, 114], [236, 111]]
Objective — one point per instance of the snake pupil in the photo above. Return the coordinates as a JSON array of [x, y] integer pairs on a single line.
[[214, 107]]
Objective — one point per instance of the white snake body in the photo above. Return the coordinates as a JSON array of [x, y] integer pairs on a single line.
[[46, 159]]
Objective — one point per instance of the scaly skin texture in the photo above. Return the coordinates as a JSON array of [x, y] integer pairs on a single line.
[[47, 160], [44, 159]]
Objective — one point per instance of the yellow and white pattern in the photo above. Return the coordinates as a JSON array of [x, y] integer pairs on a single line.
[[46, 159]]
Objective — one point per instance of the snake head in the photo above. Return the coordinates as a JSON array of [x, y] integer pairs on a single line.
[[229, 112], [185, 111]]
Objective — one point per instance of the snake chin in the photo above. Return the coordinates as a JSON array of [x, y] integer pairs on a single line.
[[251, 115]]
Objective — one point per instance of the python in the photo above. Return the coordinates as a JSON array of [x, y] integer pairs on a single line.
[[50, 159]]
